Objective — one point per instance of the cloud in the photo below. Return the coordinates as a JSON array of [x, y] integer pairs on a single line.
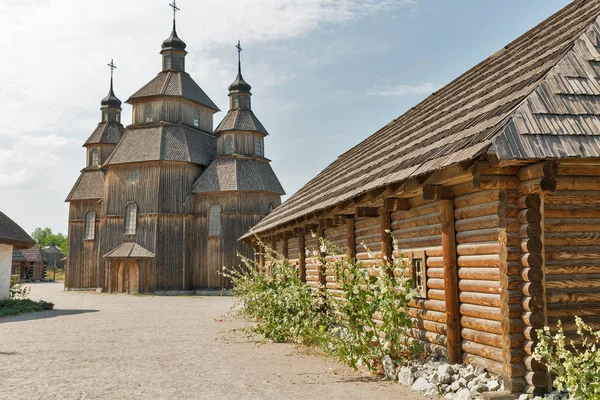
[[403, 90]]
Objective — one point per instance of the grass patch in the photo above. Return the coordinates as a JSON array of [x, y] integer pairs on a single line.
[[16, 307]]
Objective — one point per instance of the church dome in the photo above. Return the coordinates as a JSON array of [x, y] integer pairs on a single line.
[[173, 42], [111, 100], [240, 85]]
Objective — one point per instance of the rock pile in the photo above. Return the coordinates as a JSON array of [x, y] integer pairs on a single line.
[[554, 395], [434, 377]]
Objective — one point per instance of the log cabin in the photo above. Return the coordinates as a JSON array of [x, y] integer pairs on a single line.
[[161, 204], [12, 236], [491, 186]]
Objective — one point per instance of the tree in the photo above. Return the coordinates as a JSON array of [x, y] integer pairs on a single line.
[[45, 237]]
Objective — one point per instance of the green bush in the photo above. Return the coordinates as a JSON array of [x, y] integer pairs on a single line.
[[574, 363], [287, 310], [16, 307]]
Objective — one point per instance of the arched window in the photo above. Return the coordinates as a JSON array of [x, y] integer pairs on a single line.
[[270, 208], [89, 229], [196, 118], [148, 113], [258, 147], [228, 143], [214, 220], [130, 218], [95, 157]]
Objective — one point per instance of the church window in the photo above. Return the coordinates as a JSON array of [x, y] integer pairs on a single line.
[[118, 117], [270, 210], [228, 143], [104, 116], [148, 113], [90, 225], [235, 102], [133, 177], [130, 218], [214, 220], [95, 157], [167, 63], [258, 147], [196, 118]]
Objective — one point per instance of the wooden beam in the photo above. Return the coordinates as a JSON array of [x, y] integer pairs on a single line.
[[451, 282], [437, 192], [386, 237], [350, 238], [366, 212], [302, 257]]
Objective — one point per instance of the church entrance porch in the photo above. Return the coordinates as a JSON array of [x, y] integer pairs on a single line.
[[128, 269]]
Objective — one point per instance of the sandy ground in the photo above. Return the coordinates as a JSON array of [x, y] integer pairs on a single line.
[[99, 346]]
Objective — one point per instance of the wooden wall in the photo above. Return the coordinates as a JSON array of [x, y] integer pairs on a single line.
[[83, 267], [243, 142], [174, 110]]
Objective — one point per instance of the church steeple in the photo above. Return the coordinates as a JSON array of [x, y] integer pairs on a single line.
[[111, 105], [173, 48], [239, 90]]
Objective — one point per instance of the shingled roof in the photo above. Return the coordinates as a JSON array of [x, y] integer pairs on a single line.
[[12, 234], [174, 83], [89, 186], [241, 120], [238, 174], [165, 142], [33, 254], [129, 250], [535, 98], [106, 133]]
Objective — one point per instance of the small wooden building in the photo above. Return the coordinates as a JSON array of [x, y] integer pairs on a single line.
[[170, 184], [491, 186], [11, 236], [34, 264], [52, 257]]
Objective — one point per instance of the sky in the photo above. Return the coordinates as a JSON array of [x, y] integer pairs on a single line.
[[325, 74]]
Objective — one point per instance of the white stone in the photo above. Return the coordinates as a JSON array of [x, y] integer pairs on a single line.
[[493, 386], [445, 378], [406, 376], [421, 385], [524, 397], [446, 369], [5, 267], [552, 396], [457, 385], [463, 394], [389, 368]]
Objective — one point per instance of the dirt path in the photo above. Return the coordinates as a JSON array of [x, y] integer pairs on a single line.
[[126, 347]]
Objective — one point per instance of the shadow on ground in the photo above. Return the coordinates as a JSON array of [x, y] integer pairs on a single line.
[[43, 315]]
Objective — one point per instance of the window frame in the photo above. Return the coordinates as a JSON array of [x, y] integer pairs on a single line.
[[419, 273], [196, 118], [258, 146], [94, 154], [148, 113], [215, 224], [130, 219], [228, 145], [89, 225]]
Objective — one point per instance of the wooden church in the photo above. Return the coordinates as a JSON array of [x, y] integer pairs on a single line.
[[491, 186], [161, 203]]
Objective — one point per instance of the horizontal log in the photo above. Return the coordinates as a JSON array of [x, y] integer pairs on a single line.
[[425, 336], [512, 326], [483, 312], [484, 248], [578, 170], [431, 348], [489, 260], [483, 168], [509, 282], [573, 253], [529, 215], [539, 185], [433, 305], [568, 323], [572, 238], [399, 221], [480, 210], [478, 236], [429, 326], [534, 171], [569, 309], [491, 287], [562, 267], [572, 211], [427, 230], [481, 350], [514, 354], [482, 325], [531, 245], [479, 274], [529, 201], [479, 197], [435, 273], [511, 296], [577, 183], [419, 241], [436, 294], [481, 299], [572, 224], [493, 367], [473, 224], [579, 281], [560, 297], [488, 339], [428, 315]]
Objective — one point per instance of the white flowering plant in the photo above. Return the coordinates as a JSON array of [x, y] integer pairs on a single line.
[[575, 362]]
